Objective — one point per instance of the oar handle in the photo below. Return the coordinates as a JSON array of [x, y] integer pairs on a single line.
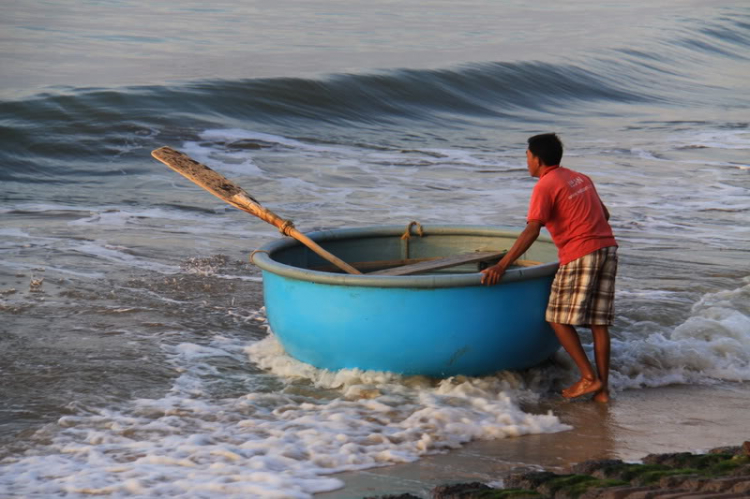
[[228, 191]]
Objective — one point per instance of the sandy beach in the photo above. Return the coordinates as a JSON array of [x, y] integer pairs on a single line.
[[635, 424]]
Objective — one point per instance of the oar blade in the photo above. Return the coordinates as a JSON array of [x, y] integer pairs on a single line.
[[200, 174]]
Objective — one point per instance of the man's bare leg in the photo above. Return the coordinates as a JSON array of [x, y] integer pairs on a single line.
[[602, 353], [589, 382]]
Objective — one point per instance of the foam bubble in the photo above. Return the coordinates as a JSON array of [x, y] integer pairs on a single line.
[[235, 134], [119, 217], [50, 268], [238, 163], [119, 254], [14, 232], [717, 139]]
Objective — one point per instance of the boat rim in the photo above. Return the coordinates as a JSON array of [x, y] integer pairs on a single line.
[[262, 258]]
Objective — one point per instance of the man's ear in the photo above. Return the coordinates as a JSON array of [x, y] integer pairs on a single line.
[[535, 160]]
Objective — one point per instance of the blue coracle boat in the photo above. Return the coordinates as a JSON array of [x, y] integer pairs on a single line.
[[440, 324]]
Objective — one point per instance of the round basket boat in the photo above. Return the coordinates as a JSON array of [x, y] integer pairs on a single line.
[[439, 324]]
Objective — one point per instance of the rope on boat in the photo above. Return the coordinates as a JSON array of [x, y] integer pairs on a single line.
[[407, 236], [257, 251]]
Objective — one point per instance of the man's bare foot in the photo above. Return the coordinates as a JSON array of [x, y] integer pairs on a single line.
[[601, 396], [582, 387]]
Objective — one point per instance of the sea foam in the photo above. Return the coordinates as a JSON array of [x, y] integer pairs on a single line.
[[712, 344], [281, 440]]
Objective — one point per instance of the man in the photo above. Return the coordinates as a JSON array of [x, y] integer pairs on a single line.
[[567, 204]]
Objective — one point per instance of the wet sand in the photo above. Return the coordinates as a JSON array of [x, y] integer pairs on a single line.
[[636, 423]]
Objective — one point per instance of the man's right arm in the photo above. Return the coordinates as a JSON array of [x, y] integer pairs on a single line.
[[492, 275]]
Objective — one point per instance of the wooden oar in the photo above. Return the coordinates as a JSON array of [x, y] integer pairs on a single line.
[[450, 261], [224, 189], [441, 263], [406, 266], [373, 265]]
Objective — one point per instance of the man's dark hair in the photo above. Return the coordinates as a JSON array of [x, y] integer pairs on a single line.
[[547, 147]]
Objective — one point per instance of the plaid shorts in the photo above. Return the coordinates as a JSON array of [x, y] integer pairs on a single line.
[[583, 292]]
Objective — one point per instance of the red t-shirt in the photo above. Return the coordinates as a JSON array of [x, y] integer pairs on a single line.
[[567, 204]]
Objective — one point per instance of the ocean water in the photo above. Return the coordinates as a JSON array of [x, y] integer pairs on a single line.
[[135, 358]]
